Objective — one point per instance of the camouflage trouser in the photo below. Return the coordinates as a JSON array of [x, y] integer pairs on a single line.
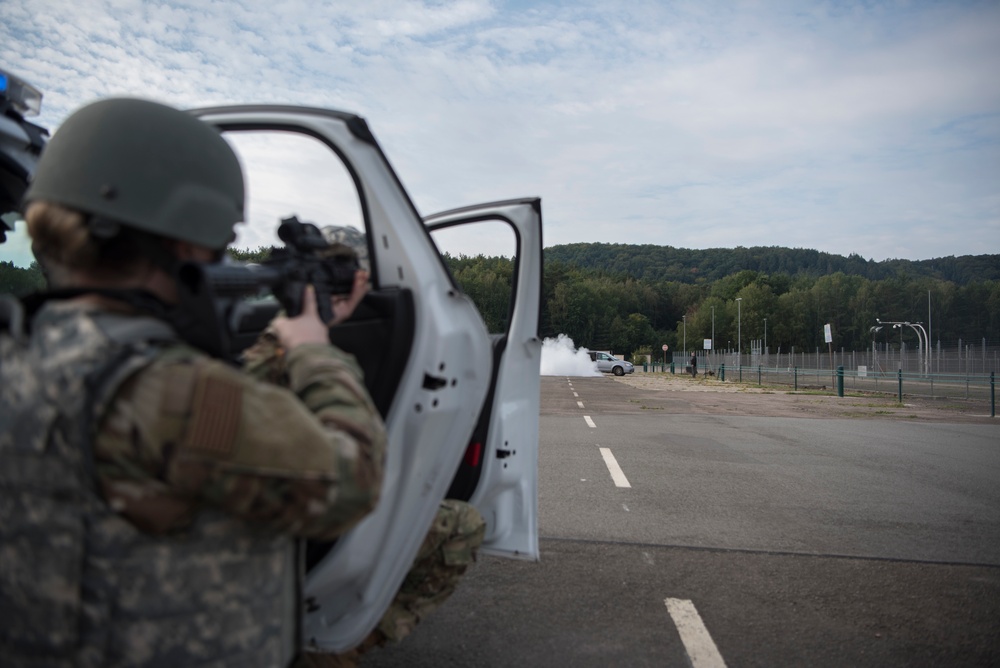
[[448, 549]]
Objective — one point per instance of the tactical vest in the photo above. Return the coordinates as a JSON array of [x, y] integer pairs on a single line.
[[79, 585]]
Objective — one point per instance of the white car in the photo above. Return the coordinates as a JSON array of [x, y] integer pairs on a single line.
[[460, 403], [610, 364]]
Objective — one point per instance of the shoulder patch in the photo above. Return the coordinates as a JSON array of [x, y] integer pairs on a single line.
[[215, 416]]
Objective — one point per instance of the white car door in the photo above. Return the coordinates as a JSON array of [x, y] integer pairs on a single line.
[[426, 354], [506, 489]]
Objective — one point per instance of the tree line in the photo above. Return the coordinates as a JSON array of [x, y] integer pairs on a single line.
[[627, 312], [601, 309], [685, 265]]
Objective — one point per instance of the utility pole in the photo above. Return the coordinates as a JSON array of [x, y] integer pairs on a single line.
[[739, 331], [713, 334]]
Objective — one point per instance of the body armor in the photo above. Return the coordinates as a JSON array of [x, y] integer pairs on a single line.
[[81, 586]]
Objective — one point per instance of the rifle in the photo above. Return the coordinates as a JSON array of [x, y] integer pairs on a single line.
[[217, 311]]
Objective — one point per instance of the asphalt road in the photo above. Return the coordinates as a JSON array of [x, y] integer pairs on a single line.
[[671, 537]]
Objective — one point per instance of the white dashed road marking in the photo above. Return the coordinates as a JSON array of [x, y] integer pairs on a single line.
[[590, 423], [580, 404], [616, 471], [700, 647]]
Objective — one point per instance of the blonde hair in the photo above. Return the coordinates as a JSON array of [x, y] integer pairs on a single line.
[[63, 244]]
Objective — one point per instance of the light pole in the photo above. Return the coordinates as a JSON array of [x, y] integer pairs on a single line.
[[874, 332], [739, 330], [765, 335], [713, 334], [922, 340], [713, 328], [685, 318]]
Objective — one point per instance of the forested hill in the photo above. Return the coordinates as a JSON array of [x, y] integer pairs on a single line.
[[666, 263]]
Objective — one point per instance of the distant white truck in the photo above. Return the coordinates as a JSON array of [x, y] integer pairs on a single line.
[[610, 364]]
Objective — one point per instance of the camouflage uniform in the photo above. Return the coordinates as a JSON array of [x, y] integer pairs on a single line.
[[448, 549], [168, 543]]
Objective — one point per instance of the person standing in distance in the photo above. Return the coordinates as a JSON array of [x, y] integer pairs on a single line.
[[149, 494]]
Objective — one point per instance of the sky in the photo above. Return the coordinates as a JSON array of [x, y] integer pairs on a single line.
[[847, 127]]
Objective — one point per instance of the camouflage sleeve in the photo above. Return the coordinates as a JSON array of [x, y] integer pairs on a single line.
[[265, 359], [190, 431]]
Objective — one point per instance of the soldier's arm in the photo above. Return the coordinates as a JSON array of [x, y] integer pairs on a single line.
[[305, 460]]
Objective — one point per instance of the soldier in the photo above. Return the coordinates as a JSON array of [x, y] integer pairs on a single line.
[[149, 493], [454, 537]]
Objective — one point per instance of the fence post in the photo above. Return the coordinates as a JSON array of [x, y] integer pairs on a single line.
[[900, 376], [758, 375], [840, 381], [671, 367], [993, 395], [722, 373]]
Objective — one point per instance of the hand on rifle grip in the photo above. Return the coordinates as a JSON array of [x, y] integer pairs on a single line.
[[303, 328]]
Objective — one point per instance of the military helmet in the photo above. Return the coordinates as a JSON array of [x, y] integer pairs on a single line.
[[144, 165], [348, 237]]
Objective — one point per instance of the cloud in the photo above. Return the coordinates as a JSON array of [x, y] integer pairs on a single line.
[[847, 127]]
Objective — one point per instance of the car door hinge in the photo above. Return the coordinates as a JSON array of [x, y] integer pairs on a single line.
[[504, 454]]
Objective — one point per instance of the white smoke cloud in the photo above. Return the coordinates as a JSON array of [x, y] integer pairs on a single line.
[[560, 357]]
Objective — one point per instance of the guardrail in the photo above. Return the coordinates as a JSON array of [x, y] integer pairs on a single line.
[[970, 387]]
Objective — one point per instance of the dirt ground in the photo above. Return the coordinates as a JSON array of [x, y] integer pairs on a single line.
[[707, 395]]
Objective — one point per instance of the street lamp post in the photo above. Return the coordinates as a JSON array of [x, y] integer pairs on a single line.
[[922, 340], [874, 332], [927, 346], [713, 334], [739, 330], [685, 318], [765, 336]]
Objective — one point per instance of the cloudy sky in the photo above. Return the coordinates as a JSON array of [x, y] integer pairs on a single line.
[[849, 127]]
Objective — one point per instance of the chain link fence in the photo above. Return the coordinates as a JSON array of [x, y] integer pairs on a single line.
[[965, 372]]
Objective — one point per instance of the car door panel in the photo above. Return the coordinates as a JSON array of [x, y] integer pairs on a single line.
[[379, 334], [507, 430]]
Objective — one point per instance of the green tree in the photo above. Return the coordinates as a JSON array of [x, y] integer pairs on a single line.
[[18, 281]]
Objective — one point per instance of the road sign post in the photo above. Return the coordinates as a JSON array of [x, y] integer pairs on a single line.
[[828, 335]]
